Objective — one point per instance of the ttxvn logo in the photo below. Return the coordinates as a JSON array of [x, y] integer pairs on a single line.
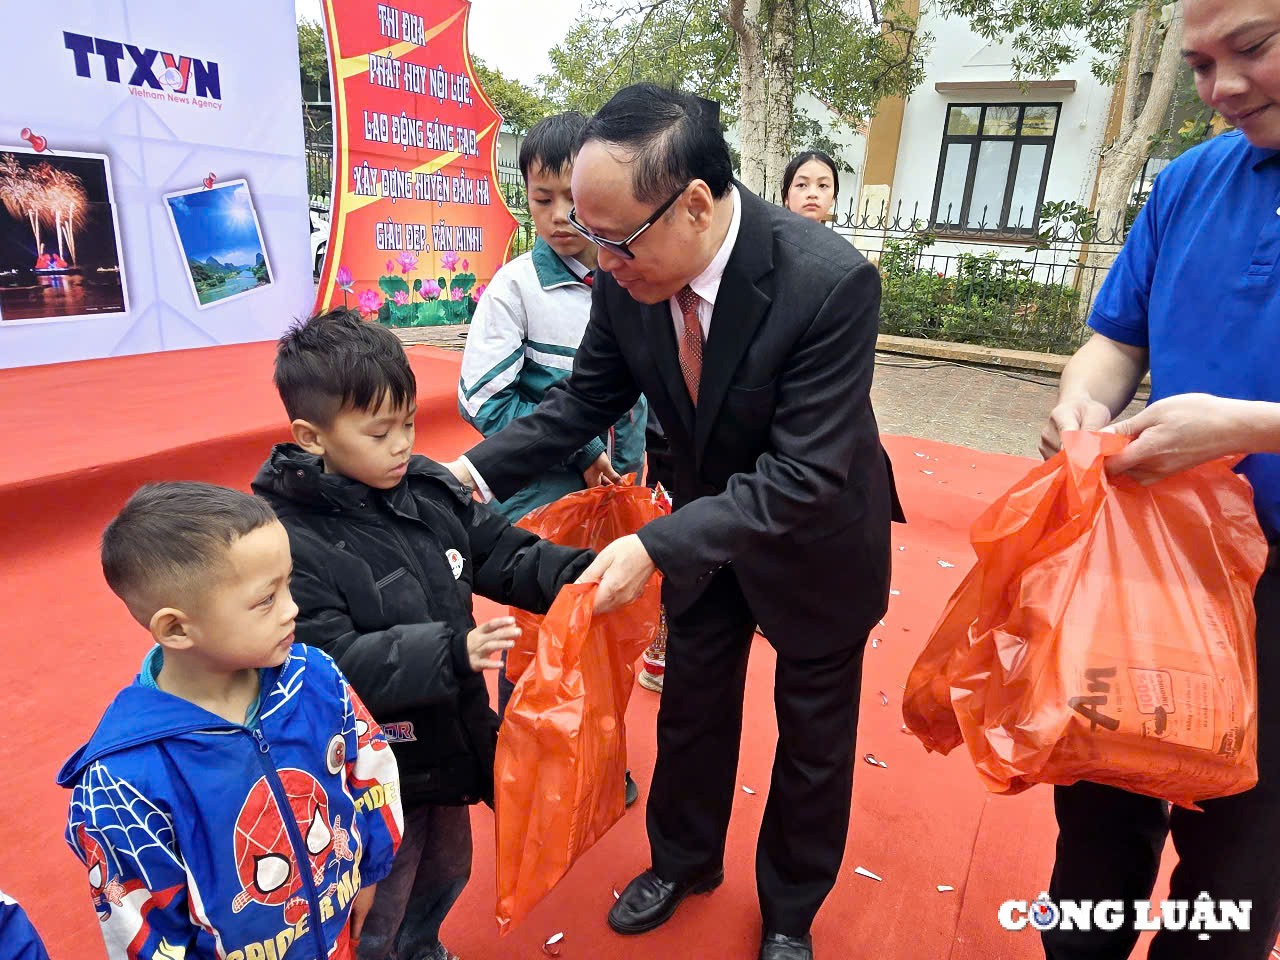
[[176, 74]]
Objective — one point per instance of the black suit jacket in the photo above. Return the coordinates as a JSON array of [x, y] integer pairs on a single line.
[[779, 471]]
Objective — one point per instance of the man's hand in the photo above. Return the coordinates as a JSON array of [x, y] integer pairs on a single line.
[[622, 569], [1178, 433], [486, 641], [600, 473], [461, 473], [359, 910], [1078, 413]]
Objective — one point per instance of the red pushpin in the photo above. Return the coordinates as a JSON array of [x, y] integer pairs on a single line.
[[208, 181], [38, 144]]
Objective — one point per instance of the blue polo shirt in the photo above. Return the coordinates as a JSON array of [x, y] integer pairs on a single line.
[[1198, 284]]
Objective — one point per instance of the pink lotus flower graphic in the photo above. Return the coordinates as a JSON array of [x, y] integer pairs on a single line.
[[478, 292], [344, 279], [401, 297], [408, 261], [456, 294], [464, 266], [450, 261], [430, 290], [370, 302]]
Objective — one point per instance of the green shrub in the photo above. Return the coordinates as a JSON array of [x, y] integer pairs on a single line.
[[990, 301]]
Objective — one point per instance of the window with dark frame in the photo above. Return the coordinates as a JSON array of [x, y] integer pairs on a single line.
[[994, 166]]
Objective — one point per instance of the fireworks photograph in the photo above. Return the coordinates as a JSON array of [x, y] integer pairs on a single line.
[[59, 238], [218, 233]]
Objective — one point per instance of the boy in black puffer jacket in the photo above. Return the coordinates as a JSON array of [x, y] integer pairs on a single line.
[[387, 550]]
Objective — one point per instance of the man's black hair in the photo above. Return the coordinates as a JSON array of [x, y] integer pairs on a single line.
[[798, 161], [170, 537], [670, 138], [335, 361], [552, 143]]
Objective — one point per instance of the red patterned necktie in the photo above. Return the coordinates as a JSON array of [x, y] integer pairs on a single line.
[[690, 346]]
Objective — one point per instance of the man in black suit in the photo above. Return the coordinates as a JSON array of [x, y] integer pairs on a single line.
[[752, 332]]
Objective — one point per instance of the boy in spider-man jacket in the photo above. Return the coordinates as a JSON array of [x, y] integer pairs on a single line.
[[236, 800]]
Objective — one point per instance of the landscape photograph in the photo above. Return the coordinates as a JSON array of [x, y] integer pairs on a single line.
[[220, 240]]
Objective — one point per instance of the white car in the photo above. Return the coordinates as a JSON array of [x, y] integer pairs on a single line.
[[319, 238]]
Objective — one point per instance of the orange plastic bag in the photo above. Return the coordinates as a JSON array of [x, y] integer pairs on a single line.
[[561, 758], [591, 519], [1106, 633]]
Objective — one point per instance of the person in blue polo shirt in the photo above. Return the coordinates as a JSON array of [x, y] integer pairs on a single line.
[[1194, 296]]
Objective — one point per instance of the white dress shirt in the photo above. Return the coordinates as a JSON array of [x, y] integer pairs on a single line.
[[706, 285]]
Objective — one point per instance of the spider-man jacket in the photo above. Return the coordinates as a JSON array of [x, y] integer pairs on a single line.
[[206, 839], [17, 935]]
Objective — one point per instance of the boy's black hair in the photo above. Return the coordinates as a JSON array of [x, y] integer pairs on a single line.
[[170, 537], [336, 361], [798, 161], [670, 137], [552, 143]]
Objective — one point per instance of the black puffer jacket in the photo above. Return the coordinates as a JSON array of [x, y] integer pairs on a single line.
[[383, 580]]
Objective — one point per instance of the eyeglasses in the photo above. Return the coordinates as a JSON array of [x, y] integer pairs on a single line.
[[622, 247]]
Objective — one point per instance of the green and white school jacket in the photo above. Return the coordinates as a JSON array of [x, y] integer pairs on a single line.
[[526, 329]]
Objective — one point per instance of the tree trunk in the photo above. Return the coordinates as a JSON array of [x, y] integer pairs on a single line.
[[1134, 88], [780, 109], [1122, 161], [744, 17]]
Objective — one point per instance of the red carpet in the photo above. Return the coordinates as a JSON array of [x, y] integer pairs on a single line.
[[79, 438]]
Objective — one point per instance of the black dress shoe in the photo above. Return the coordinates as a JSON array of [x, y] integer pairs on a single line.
[[777, 946], [633, 792], [649, 901]]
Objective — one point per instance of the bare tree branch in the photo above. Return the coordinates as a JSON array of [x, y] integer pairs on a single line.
[[645, 7], [684, 26], [907, 53], [635, 39], [813, 34]]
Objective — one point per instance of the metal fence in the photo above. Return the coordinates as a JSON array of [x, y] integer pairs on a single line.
[[320, 176], [1030, 290], [1026, 291], [318, 142], [511, 183]]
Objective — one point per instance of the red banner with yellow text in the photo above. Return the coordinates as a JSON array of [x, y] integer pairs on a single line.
[[418, 223]]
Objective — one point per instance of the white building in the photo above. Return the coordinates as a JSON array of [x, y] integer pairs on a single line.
[[974, 153], [509, 143]]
